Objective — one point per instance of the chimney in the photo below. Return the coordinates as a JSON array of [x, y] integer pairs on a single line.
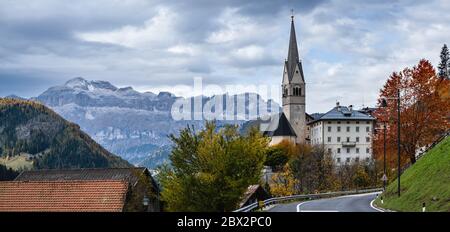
[[350, 107], [337, 104]]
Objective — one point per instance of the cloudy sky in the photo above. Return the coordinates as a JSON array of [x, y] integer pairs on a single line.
[[348, 48]]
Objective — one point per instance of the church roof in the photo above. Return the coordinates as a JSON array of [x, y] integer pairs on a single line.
[[283, 127], [293, 57]]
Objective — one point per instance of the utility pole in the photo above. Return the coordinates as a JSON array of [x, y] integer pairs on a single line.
[[398, 142], [384, 157]]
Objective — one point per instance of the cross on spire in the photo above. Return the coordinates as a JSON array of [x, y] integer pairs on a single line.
[[293, 60]]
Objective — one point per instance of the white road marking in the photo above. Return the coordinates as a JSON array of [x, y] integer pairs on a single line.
[[321, 211], [354, 195], [308, 211], [298, 206], [375, 208]]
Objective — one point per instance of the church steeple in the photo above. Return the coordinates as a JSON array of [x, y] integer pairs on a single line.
[[293, 57], [294, 91]]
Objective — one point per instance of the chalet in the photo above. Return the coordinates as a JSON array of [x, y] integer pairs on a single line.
[[254, 194], [81, 190]]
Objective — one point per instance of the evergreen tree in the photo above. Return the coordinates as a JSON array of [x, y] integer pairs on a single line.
[[444, 65]]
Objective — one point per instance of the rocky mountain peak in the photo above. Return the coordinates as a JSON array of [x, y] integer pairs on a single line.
[[77, 82], [83, 84]]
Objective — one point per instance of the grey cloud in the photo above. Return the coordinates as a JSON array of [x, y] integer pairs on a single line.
[[39, 46]]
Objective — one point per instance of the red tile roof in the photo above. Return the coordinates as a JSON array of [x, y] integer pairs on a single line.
[[63, 196]]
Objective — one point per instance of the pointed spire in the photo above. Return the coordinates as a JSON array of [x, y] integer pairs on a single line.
[[293, 58]]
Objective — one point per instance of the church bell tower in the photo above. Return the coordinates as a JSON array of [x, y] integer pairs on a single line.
[[293, 89]]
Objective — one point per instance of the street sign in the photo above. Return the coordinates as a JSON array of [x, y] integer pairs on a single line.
[[384, 178]]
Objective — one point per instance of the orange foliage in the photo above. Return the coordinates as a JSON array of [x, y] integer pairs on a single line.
[[424, 107]]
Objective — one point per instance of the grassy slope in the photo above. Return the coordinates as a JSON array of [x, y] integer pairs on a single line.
[[427, 179]]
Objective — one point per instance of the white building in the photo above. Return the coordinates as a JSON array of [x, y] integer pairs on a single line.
[[345, 132]]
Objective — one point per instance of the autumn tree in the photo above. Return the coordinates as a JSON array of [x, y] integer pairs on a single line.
[[211, 169], [444, 65], [314, 168], [283, 183], [424, 112], [278, 155]]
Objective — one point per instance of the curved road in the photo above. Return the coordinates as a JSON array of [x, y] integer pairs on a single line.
[[350, 203]]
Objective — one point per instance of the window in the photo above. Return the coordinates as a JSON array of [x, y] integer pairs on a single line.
[[357, 122], [348, 139], [338, 160], [367, 122], [367, 150], [285, 92], [357, 139], [329, 122], [329, 150], [348, 150], [357, 129], [347, 160], [348, 122], [339, 122], [338, 150], [367, 139], [329, 129], [338, 129], [329, 139], [368, 129], [297, 91], [357, 150], [357, 159], [338, 139], [367, 159], [348, 129]]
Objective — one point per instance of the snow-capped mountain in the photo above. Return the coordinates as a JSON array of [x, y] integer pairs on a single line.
[[128, 123]]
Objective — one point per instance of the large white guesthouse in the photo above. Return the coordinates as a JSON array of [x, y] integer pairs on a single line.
[[345, 132]]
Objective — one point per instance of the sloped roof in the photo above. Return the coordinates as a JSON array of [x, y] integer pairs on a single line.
[[250, 191], [316, 116], [130, 175], [293, 58], [283, 127], [63, 196], [344, 113]]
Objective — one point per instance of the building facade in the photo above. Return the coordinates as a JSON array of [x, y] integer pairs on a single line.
[[345, 133]]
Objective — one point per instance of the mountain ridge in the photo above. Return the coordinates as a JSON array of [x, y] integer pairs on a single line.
[[135, 125]]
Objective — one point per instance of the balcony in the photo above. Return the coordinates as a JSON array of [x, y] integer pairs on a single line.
[[348, 144]]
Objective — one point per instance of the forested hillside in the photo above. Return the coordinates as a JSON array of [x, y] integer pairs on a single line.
[[34, 137]]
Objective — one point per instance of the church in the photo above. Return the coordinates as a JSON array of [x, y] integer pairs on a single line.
[[345, 132], [292, 123]]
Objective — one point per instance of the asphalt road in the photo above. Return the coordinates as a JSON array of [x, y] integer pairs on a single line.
[[350, 203]]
